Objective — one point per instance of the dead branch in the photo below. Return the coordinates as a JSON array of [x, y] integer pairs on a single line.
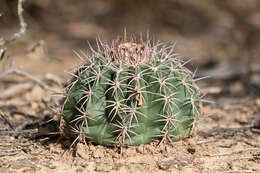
[[7, 120], [29, 131], [9, 153], [206, 141], [229, 72], [16, 90], [22, 29], [26, 75], [234, 152]]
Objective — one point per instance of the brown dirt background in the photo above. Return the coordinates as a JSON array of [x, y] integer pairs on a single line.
[[219, 36]]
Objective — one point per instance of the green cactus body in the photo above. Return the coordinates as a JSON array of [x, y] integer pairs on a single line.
[[130, 93]]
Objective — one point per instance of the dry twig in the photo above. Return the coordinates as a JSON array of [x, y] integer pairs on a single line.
[[227, 73], [9, 153], [7, 120], [22, 29], [234, 152], [29, 131], [24, 74], [206, 141], [16, 90]]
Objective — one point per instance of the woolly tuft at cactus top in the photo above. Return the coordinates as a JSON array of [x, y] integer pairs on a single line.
[[130, 92]]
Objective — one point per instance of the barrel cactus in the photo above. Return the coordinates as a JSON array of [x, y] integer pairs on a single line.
[[130, 92]]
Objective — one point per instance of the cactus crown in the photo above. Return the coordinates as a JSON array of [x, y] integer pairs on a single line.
[[130, 92]]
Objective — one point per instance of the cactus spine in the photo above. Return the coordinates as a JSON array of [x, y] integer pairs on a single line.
[[129, 93]]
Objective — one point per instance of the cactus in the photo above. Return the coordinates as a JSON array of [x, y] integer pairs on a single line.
[[129, 93]]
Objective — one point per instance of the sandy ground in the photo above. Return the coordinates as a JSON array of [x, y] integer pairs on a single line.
[[226, 138]]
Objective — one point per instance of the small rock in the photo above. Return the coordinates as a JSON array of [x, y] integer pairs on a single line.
[[32, 169], [166, 164], [140, 149], [191, 150], [83, 164], [34, 159], [98, 154], [176, 162], [47, 164], [81, 151]]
